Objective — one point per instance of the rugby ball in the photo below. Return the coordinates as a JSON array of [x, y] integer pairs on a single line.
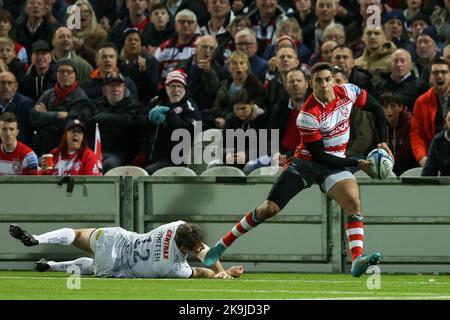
[[382, 163]]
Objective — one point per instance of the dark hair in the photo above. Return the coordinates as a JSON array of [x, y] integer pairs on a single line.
[[189, 235], [342, 46], [158, 6], [392, 97], [305, 72], [6, 16], [107, 45], [241, 97], [438, 60], [8, 117], [321, 66]]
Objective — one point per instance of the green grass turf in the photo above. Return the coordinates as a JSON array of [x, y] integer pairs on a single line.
[[52, 285]]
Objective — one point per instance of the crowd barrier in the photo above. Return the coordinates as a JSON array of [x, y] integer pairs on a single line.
[[407, 220]]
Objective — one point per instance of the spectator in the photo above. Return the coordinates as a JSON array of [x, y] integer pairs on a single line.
[[161, 27], [16, 103], [413, 8], [16, 157], [106, 60], [291, 29], [245, 41], [238, 7], [41, 76], [179, 112], [50, 17], [326, 11], [399, 125], [141, 67], [285, 60], [304, 14], [227, 46], [8, 57], [87, 39], [198, 7], [73, 156], [136, 19], [34, 26], [221, 15], [376, 54], [402, 79], [394, 27], [181, 47], [354, 30], [250, 118], [418, 22], [438, 161], [66, 101], [203, 77], [63, 49], [335, 32], [115, 114], [342, 56], [440, 19], [427, 50], [285, 112], [239, 68], [110, 13], [428, 119], [6, 30], [447, 54], [325, 53], [362, 128], [265, 18]]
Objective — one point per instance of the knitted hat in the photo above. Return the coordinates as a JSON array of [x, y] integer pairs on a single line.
[[177, 75], [67, 62], [283, 38], [431, 32]]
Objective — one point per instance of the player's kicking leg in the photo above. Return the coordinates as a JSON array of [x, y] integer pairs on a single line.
[[287, 186], [346, 194], [65, 236]]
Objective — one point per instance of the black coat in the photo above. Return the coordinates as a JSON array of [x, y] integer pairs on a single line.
[[21, 105], [116, 125], [48, 127], [33, 85], [26, 38]]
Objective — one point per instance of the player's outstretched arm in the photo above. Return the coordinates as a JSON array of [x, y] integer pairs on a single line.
[[232, 272]]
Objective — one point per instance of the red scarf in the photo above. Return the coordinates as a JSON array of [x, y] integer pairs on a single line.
[[61, 94]]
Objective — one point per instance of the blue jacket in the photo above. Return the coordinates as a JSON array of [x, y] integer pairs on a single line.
[[21, 105]]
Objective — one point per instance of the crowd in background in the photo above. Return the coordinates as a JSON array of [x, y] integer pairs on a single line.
[[138, 70]]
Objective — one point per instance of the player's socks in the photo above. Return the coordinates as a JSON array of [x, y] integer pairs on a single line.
[[355, 234], [85, 265], [246, 224], [64, 236]]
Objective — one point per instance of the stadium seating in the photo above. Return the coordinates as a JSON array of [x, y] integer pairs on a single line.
[[413, 172], [202, 145], [267, 171], [127, 171], [174, 171], [223, 171]]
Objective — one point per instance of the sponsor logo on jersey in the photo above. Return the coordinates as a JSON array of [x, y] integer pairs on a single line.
[[339, 129], [166, 245]]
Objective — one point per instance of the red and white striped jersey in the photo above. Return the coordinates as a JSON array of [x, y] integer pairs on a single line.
[[329, 122], [22, 161], [169, 54]]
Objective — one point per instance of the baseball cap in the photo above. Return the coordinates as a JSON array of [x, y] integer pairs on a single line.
[[177, 75], [114, 79], [41, 45], [75, 123]]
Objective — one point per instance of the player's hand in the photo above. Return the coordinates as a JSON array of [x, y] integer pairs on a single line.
[[366, 166], [223, 276], [385, 147], [235, 271]]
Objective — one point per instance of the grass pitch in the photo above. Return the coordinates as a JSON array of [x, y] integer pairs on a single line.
[[53, 285]]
